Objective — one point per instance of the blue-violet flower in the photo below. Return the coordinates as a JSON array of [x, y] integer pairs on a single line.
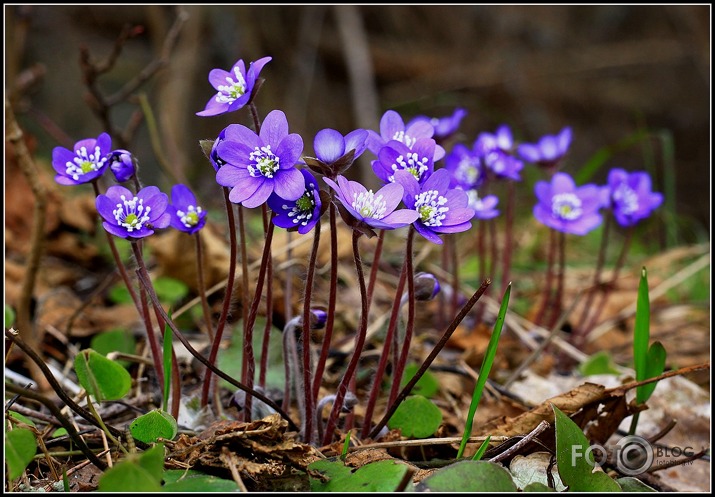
[[396, 156], [631, 198], [392, 127], [496, 152], [301, 214], [484, 208], [441, 209], [186, 214], [548, 151], [444, 127], [86, 163], [567, 208], [467, 168], [258, 165], [234, 88], [122, 164], [128, 216], [335, 153]]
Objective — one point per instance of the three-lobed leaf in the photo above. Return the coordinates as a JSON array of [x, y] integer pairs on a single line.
[[469, 476]]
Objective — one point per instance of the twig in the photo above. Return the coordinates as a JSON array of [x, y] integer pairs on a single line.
[[424, 442], [521, 443]]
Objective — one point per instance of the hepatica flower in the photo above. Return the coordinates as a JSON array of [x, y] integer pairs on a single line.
[[440, 209], [301, 214], [234, 88], [335, 153], [548, 151], [121, 163], [567, 208], [396, 156], [186, 214], [484, 208], [133, 216], [258, 165], [392, 127], [85, 163], [377, 210], [468, 170], [495, 149], [630, 196], [444, 127]]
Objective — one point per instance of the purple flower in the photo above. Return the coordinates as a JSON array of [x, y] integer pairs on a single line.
[[258, 165], [467, 168], [376, 210], [186, 214], [86, 163], [234, 87], [567, 208], [392, 127], [495, 150], [484, 208], [301, 214], [444, 127], [548, 151], [396, 156], [441, 209], [630, 196], [214, 158], [334, 153], [426, 286], [128, 216], [122, 165]]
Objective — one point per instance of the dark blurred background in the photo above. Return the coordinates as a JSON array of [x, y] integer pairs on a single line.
[[632, 81]]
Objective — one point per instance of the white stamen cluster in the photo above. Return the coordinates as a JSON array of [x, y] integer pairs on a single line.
[[467, 172], [265, 162], [368, 205], [229, 92], [85, 162], [432, 207], [566, 206], [302, 212], [403, 137], [412, 164], [191, 217], [626, 198], [131, 214]]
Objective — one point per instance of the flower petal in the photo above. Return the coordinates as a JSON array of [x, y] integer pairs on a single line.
[[274, 128], [329, 145], [289, 184]]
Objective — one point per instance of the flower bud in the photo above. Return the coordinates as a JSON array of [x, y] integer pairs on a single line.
[[426, 286], [121, 162], [318, 317]]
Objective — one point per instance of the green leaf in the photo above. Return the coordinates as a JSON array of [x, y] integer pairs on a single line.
[[149, 427], [469, 476], [136, 473], [20, 448], [484, 370], [655, 365], [641, 335], [59, 432], [102, 378], [119, 294], [170, 290], [117, 340], [599, 363], [537, 487], [22, 418], [574, 458], [177, 480], [630, 484], [416, 417], [9, 316], [427, 385], [482, 449], [379, 476]]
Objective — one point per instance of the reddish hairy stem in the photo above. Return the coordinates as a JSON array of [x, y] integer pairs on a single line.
[[202, 286]]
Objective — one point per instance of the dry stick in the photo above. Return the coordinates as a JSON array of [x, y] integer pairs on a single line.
[[15, 339], [437, 349], [307, 380], [205, 362], [521, 443], [202, 285], [382, 364], [359, 343], [226, 299], [399, 367], [71, 431], [253, 313], [14, 134], [323, 357], [425, 441]]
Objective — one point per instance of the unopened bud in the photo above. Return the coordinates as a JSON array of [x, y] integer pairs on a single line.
[[318, 317], [121, 162], [426, 286]]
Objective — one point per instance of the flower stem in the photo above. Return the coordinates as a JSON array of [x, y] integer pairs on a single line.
[[151, 338], [508, 234], [202, 286], [359, 343], [307, 380], [323, 357], [269, 309], [557, 306], [431, 357], [549, 277], [374, 268], [226, 299], [399, 368], [382, 364]]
